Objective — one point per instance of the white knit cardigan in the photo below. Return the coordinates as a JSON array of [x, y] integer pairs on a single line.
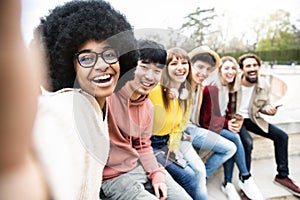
[[71, 143]]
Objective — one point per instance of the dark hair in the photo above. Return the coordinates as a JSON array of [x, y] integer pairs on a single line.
[[149, 51], [152, 52], [69, 26], [205, 57], [248, 55]]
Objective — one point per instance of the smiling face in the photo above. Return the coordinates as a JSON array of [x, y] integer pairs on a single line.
[[228, 72], [146, 77], [178, 69], [200, 71], [250, 70], [101, 79]]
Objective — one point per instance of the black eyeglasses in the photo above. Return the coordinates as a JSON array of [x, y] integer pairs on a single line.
[[89, 59]]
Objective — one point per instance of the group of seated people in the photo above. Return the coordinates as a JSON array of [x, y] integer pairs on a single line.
[[121, 118]]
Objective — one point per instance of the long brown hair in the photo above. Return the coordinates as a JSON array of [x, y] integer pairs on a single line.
[[165, 78]]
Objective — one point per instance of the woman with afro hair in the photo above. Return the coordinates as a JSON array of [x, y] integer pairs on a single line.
[[87, 47]]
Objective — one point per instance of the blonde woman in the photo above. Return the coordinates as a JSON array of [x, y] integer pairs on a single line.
[[216, 116]]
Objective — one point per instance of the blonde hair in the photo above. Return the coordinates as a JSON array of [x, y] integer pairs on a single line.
[[233, 85]]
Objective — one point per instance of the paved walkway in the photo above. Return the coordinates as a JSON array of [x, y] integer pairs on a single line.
[[263, 165], [263, 171]]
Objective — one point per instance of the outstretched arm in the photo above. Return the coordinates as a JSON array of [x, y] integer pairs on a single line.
[[18, 103]]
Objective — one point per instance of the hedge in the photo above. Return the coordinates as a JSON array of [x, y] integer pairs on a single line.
[[283, 57]]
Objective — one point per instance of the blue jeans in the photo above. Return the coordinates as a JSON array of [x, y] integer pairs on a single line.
[[238, 158], [198, 166], [186, 177], [280, 142], [205, 139]]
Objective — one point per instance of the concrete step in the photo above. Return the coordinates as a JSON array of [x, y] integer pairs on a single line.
[[263, 171]]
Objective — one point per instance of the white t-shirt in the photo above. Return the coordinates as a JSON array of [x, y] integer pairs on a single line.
[[245, 101]]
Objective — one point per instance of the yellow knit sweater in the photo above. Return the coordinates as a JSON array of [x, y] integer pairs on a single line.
[[166, 120]]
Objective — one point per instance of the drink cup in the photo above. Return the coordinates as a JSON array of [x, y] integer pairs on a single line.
[[238, 119]]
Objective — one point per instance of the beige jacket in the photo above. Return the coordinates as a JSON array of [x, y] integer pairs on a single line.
[[259, 100], [71, 143]]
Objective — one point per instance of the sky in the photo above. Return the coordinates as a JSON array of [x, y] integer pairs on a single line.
[[162, 14]]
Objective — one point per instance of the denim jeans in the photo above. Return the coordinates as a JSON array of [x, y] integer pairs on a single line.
[[238, 158], [280, 142], [185, 177], [205, 139], [131, 185], [198, 166]]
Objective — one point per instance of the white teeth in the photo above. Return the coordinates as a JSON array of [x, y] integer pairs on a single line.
[[102, 77], [146, 84]]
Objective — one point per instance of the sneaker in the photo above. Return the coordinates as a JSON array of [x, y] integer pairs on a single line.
[[250, 189], [288, 184], [230, 191]]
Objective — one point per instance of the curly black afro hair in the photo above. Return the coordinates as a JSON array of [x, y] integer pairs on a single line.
[[69, 26]]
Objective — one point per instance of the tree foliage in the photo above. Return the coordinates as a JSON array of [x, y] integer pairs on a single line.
[[280, 34], [274, 32]]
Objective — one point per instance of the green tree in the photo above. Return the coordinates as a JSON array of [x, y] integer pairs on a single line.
[[259, 30], [281, 34], [297, 27]]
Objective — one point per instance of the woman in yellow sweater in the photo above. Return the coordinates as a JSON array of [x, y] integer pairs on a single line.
[[172, 101]]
